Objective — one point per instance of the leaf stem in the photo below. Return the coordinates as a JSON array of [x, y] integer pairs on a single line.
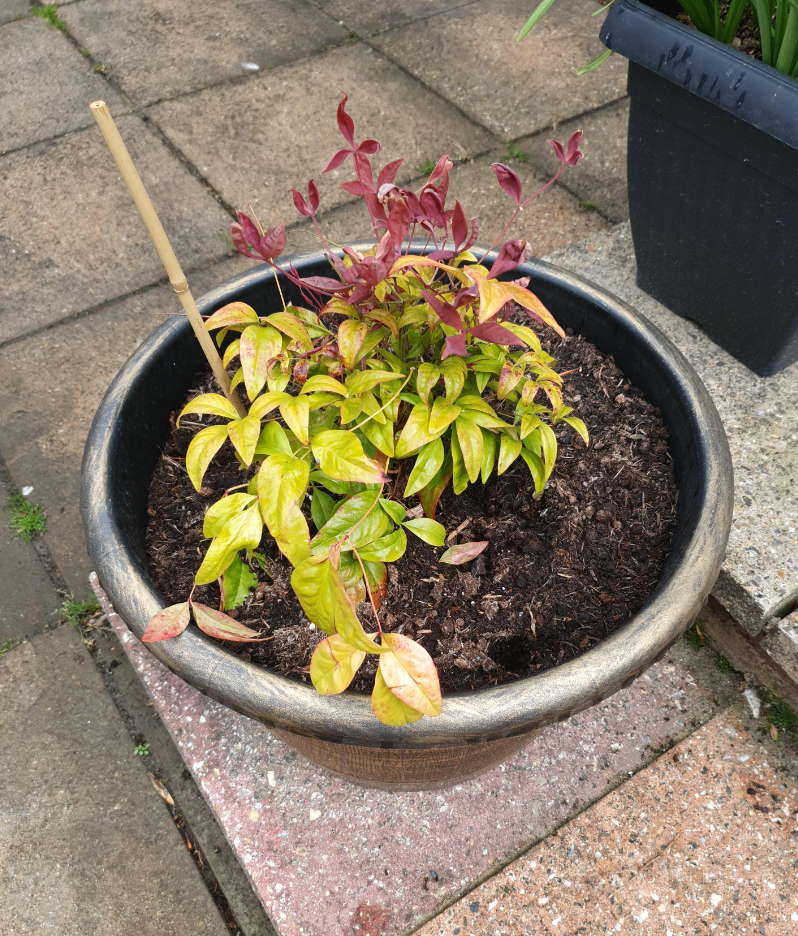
[[385, 405], [368, 590]]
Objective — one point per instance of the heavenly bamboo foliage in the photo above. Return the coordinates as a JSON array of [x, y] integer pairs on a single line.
[[406, 375], [777, 21]]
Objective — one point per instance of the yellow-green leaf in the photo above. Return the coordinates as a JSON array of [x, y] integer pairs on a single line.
[[490, 446], [290, 325], [235, 313], [244, 435], [361, 381], [351, 335], [441, 415], [258, 346], [296, 413], [428, 376], [273, 440], [341, 457], [428, 530], [415, 432], [209, 404], [389, 709], [242, 531], [325, 383], [454, 372], [576, 423], [218, 514], [221, 626], [549, 445], [387, 548], [238, 581], [410, 674], [205, 444], [509, 450], [282, 482], [334, 664], [356, 514], [426, 466], [469, 435], [268, 402], [536, 468], [459, 471], [230, 352]]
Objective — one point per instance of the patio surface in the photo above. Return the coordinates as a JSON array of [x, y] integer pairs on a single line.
[[234, 104]]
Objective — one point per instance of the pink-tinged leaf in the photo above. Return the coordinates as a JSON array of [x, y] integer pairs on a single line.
[[465, 552], [240, 241], [363, 170], [353, 187], [446, 313], [474, 234], [251, 230], [454, 344], [369, 147], [511, 254], [234, 313], [559, 152], [399, 220], [572, 154], [388, 173], [508, 180], [167, 623], [323, 284], [221, 626], [313, 195], [440, 175], [300, 204], [273, 243], [410, 674], [459, 225], [345, 123], [498, 334], [336, 161], [432, 206], [532, 304]]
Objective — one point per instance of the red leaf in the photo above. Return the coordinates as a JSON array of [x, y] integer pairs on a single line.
[[559, 152], [353, 187], [508, 180], [240, 241], [571, 154], [465, 552], [167, 623], [369, 147], [273, 243], [446, 313], [216, 624], [511, 254], [459, 225], [336, 161], [492, 331], [313, 195], [300, 204], [345, 123], [432, 206], [455, 344], [399, 221], [376, 210], [388, 173], [323, 283]]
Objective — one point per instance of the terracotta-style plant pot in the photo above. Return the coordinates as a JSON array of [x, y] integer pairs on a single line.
[[477, 729]]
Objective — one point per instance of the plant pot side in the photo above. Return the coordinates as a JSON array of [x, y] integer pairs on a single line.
[[477, 729], [713, 183]]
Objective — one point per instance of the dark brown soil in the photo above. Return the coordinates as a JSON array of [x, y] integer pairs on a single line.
[[747, 39], [560, 573]]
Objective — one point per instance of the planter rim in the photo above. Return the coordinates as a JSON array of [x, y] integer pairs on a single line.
[[744, 87], [479, 715]]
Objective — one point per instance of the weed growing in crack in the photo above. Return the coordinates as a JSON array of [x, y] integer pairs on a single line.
[[513, 152], [27, 519], [142, 750], [5, 646], [78, 612], [50, 14]]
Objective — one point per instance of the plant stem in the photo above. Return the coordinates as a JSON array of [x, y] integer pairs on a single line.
[[368, 590], [385, 405]]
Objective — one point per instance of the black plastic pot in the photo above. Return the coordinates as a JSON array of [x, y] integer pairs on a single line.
[[713, 183], [476, 730]]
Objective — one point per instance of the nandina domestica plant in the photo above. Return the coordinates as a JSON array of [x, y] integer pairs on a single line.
[[395, 357]]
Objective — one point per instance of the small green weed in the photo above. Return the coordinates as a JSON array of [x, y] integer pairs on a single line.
[[694, 637], [50, 13], [84, 52], [723, 665], [102, 68], [588, 206], [141, 750], [513, 152], [77, 612], [5, 646], [426, 167], [27, 519], [351, 39], [781, 716]]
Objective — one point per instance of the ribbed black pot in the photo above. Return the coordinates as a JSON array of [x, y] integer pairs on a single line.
[[713, 183], [476, 729]]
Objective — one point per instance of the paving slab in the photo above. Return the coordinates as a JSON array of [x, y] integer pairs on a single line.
[[44, 422], [71, 236], [471, 58], [86, 845], [30, 604], [45, 85], [704, 840], [13, 10], [329, 857], [759, 578], [364, 19], [553, 221], [284, 132], [601, 178], [157, 49]]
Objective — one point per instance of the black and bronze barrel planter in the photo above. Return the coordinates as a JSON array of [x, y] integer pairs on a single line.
[[476, 730]]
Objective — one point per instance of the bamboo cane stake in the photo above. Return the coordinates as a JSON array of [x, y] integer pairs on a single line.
[[161, 243]]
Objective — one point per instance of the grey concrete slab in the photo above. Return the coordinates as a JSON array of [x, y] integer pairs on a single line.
[[759, 578], [254, 149], [86, 846], [600, 177], [44, 422], [472, 58], [552, 222], [29, 602], [13, 9], [158, 48], [70, 236], [365, 19], [45, 85]]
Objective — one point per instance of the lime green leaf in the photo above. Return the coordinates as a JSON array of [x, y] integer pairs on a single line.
[[430, 495], [428, 461], [416, 432], [380, 436], [385, 549], [428, 530], [341, 457], [465, 552], [351, 514], [167, 623], [454, 372], [389, 709], [218, 514], [334, 664], [296, 412], [290, 325], [282, 482], [580, 427], [529, 422], [230, 352], [221, 626], [490, 446], [268, 402], [410, 674], [321, 593], [395, 511], [469, 435], [509, 450], [441, 415], [235, 313], [238, 581], [323, 382], [242, 531], [459, 472], [258, 346], [273, 440], [549, 445], [236, 379], [209, 404], [205, 444], [372, 340], [244, 435], [536, 468], [352, 578], [322, 507], [351, 409], [337, 487], [539, 10], [351, 335], [361, 381], [428, 377]]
